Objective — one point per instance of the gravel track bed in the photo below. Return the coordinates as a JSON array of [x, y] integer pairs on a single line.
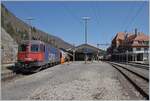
[[128, 89], [76, 81], [141, 71], [93, 83], [139, 81]]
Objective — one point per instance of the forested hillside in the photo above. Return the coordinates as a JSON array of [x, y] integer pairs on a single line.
[[18, 30]]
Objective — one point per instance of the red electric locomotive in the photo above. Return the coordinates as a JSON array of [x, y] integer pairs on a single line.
[[34, 55]]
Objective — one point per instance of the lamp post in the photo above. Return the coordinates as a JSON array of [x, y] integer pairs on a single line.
[[29, 20], [98, 52], [86, 18], [74, 49], [29, 34], [127, 58]]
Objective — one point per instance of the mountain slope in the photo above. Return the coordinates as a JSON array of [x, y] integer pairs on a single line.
[[9, 48], [19, 30]]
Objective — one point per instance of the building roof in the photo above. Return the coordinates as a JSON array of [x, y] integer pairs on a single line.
[[87, 48], [119, 36], [142, 37], [131, 36], [138, 39], [132, 39]]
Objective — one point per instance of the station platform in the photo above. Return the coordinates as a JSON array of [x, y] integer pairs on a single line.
[[69, 81]]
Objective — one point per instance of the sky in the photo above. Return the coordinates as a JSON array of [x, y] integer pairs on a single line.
[[64, 18]]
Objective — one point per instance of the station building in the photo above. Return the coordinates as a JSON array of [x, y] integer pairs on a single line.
[[85, 50], [130, 47]]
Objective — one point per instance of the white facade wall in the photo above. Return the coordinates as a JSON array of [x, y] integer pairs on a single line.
[[144, 53]]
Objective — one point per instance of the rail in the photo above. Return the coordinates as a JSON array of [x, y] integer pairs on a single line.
[[6, 73], [136, 84], [137, 65]]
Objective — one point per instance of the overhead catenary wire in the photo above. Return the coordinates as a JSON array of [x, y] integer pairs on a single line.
[[97, 15], [136, 14], [125, 22], [67, 9]]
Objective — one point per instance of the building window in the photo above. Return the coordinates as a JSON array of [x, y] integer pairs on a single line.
[[130, 49], [140, 42], [145, 49], [138, 49], [131, 42], [146, 42]]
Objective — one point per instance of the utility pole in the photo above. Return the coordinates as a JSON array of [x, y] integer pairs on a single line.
[[54, 42], [74, 49], [86, 20], [47, 38], [98, 45], [29, 21], [98, 52], [127, 56]]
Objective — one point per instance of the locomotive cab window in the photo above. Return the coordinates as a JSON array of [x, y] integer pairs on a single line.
[[42, 48], [60, 55], [22, 47], [34, 48]]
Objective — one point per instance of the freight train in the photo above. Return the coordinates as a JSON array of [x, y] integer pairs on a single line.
[[35, 55]]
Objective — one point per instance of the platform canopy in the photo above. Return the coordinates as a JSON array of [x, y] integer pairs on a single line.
[[86, 48]]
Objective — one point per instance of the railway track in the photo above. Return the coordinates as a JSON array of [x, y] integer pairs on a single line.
[[136, 71], [136, 65], [7, 72], [8, 75], [139, 82], [144, 64], [139, 66]]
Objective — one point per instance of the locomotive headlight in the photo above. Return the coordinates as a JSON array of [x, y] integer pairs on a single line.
[[28, 59]]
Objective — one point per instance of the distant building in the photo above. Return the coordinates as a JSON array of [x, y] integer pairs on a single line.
[[90, 51], [129, 46]]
